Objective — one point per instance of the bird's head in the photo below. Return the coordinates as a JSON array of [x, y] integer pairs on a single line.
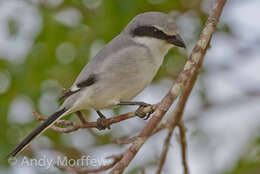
[[155, 25]]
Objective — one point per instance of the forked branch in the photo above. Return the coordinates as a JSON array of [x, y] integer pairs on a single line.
[[186, 78]]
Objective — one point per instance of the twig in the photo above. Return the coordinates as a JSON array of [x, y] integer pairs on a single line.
[[81, 118], [183, 147], [188, 75], [165, 151], [75, 126], [115, 159], [61, 122], [122, 141], [173, 121]]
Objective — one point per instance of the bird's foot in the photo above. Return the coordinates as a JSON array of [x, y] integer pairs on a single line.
[[102, 122], [140, 111]]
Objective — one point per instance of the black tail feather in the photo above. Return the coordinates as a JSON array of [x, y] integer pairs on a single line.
[[50, 120]]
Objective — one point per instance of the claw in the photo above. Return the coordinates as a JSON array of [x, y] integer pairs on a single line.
[[139, 112], [147, 116], [101, 124]]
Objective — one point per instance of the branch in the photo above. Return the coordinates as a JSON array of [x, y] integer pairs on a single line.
[[188, 75], [173, 120], [74, 126], [81, 118], [122, 141], [183, 147], [165, 151]]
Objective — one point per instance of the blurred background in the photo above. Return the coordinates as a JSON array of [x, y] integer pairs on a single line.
[[44, 44]]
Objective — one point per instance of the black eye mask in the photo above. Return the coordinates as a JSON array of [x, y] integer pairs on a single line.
[[151, 31]]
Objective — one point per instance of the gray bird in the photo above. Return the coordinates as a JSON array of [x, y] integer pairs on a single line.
[[120, 71]]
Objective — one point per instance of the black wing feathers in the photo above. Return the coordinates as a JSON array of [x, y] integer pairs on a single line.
[[89, 81], [67, 94]]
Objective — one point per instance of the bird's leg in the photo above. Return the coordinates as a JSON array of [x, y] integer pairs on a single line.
[[134, 103], [139, 112], [101, 121]]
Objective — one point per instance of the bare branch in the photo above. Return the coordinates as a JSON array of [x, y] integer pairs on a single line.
[[122, 141], [74, 126], [183, 147], [165, 151], [81, 117]]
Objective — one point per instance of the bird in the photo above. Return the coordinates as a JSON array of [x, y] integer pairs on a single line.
[[119, 71]]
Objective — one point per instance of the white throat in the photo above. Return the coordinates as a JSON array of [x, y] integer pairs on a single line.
[[157, 47]]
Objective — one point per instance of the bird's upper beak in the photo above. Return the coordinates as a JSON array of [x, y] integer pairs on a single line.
[[177, 40]]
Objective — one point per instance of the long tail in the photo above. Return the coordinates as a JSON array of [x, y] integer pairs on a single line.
[[46, 124]]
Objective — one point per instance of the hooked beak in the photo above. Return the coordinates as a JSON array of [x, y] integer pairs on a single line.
[[177, 40]]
